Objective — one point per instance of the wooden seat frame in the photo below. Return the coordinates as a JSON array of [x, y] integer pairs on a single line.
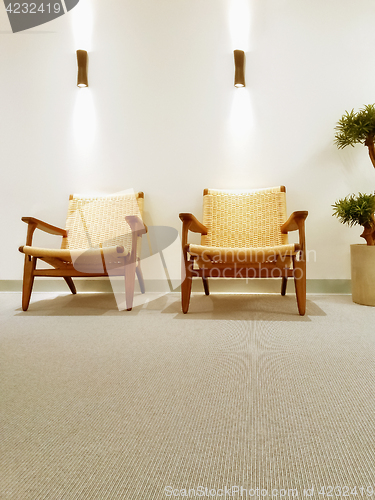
[[296, 222], [67, 271]]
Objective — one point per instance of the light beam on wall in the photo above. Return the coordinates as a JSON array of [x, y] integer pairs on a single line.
[[84, 116], [82, 23], [239, 24], [241, 116], [84, 121], [241, 119]]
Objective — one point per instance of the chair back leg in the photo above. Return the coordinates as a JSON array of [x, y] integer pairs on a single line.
[[70, 284], [205, 285], [28, 280], [283, 285]]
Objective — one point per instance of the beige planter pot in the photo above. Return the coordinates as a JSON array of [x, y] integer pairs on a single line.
[[363, 274]]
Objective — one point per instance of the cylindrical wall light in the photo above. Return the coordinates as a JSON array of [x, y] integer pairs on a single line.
[[239, 64], [82, 68]]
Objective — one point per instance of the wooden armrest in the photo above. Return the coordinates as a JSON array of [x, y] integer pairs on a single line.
[[194, 225], [43, 226], [136, 224], [295, 221]]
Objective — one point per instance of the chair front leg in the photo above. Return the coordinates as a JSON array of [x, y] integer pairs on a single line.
[[139, 273], [189, 222], [28, 280], [186, 283], [130, 267], [130, 270], [299, 272]]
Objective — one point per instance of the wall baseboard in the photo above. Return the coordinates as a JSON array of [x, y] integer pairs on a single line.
[[218, 285]]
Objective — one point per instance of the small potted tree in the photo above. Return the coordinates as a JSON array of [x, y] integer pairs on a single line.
[[359, 128]]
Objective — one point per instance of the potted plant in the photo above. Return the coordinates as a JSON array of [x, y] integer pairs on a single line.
[[359, 128]]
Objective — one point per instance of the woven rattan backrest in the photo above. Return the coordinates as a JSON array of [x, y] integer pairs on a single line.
[[98, 221], [244, 218]]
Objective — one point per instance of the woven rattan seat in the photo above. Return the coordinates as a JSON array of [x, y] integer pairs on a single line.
[[245, 233], [101, 238]]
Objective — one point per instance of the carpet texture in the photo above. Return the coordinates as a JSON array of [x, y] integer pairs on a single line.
[[149, 404]]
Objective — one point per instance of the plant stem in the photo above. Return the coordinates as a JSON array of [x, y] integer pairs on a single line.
[[369, 232], [369, 142]]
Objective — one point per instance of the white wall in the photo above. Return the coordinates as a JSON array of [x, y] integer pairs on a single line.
[[162, 113]]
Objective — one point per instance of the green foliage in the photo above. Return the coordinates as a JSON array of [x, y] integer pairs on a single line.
[[355, 128], [355, 209]]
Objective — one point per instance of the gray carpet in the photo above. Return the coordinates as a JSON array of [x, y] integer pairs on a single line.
[[242, 392]]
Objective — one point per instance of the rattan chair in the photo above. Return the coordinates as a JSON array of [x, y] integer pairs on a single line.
[[101, 238], [245, 235]]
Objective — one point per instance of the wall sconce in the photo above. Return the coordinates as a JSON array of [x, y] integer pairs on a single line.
[[82, 68], [239, 64]]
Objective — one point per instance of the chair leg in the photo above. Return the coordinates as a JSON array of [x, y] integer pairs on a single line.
[[186, 287], [299, 267], [283, 285], [205, 285], [70, 284], [141, 281], [28, 281], [130, 269]]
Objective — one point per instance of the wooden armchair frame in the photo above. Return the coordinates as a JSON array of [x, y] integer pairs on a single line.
[[66, 270], [296, 222]]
